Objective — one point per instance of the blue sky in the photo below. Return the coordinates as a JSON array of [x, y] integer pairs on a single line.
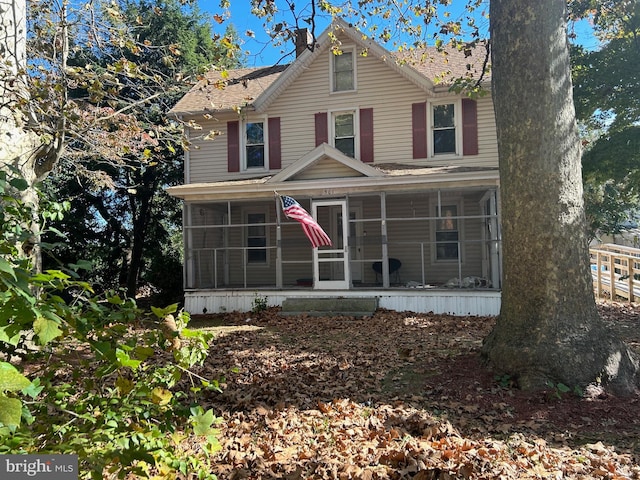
[[262, 52]]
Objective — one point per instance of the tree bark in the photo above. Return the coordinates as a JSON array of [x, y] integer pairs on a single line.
[[23, 154], [141, 204], [549, 329], [19, 147]]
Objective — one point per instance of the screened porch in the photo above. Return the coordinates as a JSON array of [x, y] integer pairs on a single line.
[[427, 239]]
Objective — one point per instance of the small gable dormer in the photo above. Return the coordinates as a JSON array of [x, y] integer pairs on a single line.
[[324, 162]]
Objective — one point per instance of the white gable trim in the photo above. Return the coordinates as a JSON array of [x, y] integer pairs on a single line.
[[316, 155], [323, 43]]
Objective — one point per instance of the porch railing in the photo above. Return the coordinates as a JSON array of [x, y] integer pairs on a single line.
[[210, 264], [616, 271], [207, 265]]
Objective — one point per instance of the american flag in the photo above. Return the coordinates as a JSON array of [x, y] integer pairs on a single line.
[[312, 230]]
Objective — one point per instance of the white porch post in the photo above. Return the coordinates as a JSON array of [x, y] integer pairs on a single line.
[[278, 245], [227, 278], [188, 269], [385, 247]]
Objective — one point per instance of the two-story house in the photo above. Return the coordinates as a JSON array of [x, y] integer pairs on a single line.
[[401, 173]]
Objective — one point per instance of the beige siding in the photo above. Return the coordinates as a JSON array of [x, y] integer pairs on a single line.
[[327, 169], [208, 158], [378, 87], [310, 94]]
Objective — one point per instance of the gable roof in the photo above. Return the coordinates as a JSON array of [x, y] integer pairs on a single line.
[[259, 87], [323, 44], [216, 92], [444, 67], [327, 154]]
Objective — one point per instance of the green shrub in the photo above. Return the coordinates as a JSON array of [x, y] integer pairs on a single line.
[[96, 376]]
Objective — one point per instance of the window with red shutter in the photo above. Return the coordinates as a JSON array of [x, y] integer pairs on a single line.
[[366, 135], [469, 127], [419, 127], [275, 151], [233, 146], [322, 132]]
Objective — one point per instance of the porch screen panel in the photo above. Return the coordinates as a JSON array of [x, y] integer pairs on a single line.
[[256, 238], [297, 255], [408, 237], [204, 250], [367, 240], [447, 234]]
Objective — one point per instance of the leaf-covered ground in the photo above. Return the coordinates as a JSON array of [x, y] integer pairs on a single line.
[[403, 395]]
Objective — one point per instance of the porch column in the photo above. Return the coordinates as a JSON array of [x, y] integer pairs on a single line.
[[278, 245], [227, 277], [188, 268], [383, 234]]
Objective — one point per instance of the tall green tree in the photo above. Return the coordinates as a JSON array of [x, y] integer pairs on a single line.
[[131, 220], [607, 98], [549, 328]]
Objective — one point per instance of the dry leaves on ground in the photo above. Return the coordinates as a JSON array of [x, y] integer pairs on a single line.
[[402, 395]]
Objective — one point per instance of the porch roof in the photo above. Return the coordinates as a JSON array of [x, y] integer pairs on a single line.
[[394, 178]]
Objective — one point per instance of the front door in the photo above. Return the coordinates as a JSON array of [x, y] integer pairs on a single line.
[[331, 264]]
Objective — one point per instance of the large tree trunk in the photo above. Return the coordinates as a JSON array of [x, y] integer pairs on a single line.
[[549, 329], [141, 204], [18, 146]]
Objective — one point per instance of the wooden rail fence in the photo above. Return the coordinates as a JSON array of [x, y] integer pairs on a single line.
[[616, 271]]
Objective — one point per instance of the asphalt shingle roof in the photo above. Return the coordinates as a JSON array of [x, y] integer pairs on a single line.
[[217, 92], [444, 67]]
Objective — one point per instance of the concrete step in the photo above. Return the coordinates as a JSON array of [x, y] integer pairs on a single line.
[[317, 307]]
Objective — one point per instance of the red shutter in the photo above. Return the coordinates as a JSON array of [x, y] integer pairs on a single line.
[[322, 133], [233, 146], [469, 127], [419, 126], [366, 135], [275, 153]]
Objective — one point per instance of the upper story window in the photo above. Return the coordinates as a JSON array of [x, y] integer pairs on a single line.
[[344, 133], [254, 144], [343, 71], [444, 129]]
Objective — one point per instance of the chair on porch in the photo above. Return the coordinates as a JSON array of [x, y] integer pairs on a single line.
[[394, 268]]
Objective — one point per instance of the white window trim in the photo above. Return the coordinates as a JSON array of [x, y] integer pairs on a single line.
[[245, 218], [343, 48], [457, 113], [243, 144], [356, 128], [433, 211]]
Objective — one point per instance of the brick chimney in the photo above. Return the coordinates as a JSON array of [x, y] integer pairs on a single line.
[[303, 40]]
